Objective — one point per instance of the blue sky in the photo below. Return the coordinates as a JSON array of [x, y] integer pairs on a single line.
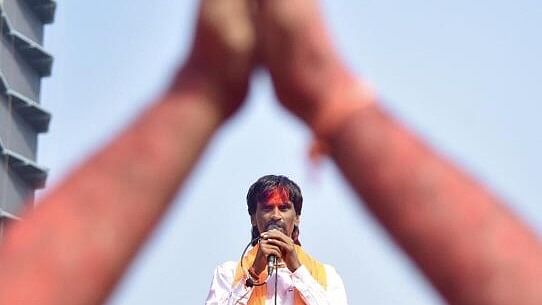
[[464, 75]]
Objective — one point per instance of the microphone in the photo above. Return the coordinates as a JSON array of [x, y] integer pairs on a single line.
[[271, 259]]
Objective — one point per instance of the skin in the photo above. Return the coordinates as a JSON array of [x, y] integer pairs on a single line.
[[471, 248], [87, 230], [89, 227], [280, 210], [306, 71]]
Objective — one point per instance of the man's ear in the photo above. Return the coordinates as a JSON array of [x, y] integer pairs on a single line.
[[253, 220], [297, 219]]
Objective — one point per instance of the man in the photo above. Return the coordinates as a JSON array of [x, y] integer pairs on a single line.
[[274, 205], [87, 230]]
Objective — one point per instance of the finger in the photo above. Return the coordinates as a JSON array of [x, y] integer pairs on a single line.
[[232, 22], [285, 243], [270, 249], [284, 246], [276, 234], [272, 233], [268, 243]]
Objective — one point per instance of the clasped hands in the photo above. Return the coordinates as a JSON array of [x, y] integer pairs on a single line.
[[274, 242], [286, 37]]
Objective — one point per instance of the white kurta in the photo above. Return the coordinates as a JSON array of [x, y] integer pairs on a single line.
[[222, 292]]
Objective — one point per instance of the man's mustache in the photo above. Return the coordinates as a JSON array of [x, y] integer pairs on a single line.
[[278, 225]]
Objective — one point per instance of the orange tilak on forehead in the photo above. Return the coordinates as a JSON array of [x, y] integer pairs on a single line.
[[276, 197]]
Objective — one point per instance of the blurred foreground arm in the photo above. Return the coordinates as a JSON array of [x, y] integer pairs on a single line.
[[76, 244], [472, 249]]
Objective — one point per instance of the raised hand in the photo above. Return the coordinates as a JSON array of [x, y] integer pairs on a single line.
[[222, 54], [451, 226], [308, 74], [101, 214]]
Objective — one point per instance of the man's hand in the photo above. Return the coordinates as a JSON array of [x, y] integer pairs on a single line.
[[274, 242], [222, 55]]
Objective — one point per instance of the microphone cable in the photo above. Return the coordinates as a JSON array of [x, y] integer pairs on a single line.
[[276, 281]]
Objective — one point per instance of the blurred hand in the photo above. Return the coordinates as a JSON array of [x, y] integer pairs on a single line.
[[222, 54], [308, 75]]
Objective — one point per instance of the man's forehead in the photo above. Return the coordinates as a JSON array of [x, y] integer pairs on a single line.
[[276, 195]]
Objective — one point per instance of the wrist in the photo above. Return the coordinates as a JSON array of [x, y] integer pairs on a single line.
[[253, 274], [322, 96], [292, 262], [258, 267], [335, 106], [220, 96], [294, 266]]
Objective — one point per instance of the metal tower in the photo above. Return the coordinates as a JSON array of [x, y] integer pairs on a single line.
[[23, 62]]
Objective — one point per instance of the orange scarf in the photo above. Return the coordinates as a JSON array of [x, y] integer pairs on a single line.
[[259, 293]]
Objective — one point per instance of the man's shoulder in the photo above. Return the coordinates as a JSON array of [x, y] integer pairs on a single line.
[[329, 268], [332, 273], [227, 267], [225, 272]]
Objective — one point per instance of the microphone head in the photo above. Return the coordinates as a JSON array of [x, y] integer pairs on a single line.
[[273, 225]]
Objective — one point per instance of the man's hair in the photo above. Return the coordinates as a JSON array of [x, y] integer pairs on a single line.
[[264, 187]]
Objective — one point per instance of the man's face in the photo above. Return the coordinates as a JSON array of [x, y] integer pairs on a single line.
[[276, 209]]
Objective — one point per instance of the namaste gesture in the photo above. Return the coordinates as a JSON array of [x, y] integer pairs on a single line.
[[77, 243]]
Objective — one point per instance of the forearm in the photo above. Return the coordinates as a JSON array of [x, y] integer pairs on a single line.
[[75, 245], [472, 249]]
